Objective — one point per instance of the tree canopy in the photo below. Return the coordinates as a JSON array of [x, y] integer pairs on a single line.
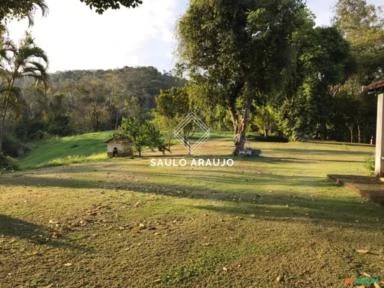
[[364, 29], [101, 6], [26, 8]]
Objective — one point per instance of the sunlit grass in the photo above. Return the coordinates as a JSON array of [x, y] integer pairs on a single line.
[[123, 223], [67, 150], [74, 159]]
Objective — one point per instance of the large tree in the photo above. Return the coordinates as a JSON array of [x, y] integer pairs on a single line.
[[362, 26], [323, 61], [238, 49]]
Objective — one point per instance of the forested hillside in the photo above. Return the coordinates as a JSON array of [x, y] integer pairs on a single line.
[[86, 101]]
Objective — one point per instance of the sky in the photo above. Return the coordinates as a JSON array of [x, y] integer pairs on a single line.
[[74, 37]]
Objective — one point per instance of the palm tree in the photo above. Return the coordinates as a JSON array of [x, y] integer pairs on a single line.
[[17, 62]]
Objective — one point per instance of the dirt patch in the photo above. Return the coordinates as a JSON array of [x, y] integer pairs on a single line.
[[368, 187]]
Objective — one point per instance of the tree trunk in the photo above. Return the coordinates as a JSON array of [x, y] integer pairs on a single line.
[[239, 138], [1, 139], [240, 123], [3, 119], [187, 143], [358, 133], [350, 128], [266, 132], [117, 116]]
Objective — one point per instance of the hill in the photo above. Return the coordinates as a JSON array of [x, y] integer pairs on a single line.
[[59, 151], [89, 100]]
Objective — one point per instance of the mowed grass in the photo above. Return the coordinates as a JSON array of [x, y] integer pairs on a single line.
[[67, 150], [78, 149], [275, 221]]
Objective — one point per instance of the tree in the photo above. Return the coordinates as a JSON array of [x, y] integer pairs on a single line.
[[140, 134], [265, 119], [238, 49], [324, 61], [21, 8], [103, 5], [364, 29], [172, 106], [17, 62], [26, 8]]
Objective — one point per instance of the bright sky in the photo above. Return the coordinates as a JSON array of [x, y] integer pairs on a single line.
[[75, 37]]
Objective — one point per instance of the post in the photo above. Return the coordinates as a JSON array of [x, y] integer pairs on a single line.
[[379, 162]]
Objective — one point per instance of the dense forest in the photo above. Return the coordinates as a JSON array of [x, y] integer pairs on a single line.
[[86, 101], [76, 102]]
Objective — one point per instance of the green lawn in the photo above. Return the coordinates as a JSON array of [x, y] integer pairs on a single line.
[[67, 150], [275, 221]]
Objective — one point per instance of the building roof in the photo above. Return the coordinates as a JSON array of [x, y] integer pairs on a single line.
[[375, 86], [114, 140]]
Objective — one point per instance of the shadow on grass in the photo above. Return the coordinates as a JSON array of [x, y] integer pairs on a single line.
[[319, 151], [37, 234], [367, 186], [293, 160], [339, 143], [264, 205]]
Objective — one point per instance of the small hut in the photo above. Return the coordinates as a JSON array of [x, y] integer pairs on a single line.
[[119, 147]]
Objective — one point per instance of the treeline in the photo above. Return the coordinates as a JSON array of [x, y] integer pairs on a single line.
[[86, 101]]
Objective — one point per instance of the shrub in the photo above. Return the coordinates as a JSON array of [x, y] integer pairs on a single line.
[[7, 163], [370, 164], [13, 147]]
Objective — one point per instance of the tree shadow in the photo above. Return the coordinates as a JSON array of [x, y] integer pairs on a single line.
[[367, 186], [37, 234], [338, 143], [319, 152], [330, 210]]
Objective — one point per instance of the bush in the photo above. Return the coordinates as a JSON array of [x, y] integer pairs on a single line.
[[281, 139], [13, 147], [61, 126], [370, 164], [7, 163], [31, 129]]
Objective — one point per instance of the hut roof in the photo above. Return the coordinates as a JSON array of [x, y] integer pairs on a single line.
[[376, 86], [117, 140]]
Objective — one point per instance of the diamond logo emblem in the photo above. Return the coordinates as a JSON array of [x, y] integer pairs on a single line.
[[192, 120]]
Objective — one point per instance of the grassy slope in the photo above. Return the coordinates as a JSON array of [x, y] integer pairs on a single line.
[[73, 149], [125, 224], [76, 149]]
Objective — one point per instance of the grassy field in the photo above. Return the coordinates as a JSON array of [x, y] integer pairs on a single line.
[[275, 221], [67, 150]]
